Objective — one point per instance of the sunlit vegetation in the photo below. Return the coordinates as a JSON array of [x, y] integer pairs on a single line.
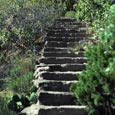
[[23, 25], [96, 84]]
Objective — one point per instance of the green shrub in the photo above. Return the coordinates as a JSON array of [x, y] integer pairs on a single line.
[[98, 79], [22, 25], [21, 75], [3, 107], [91, 11], [70, 14], [23, 22], [21, 84]]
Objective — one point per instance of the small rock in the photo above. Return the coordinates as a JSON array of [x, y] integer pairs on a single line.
[[32, 110]]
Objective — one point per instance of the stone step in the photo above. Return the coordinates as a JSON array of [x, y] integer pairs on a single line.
[[68, 23], [59, 68], [61, 54], [62, 110], [78, 28], [67, 35], [68, 30], [66, 76], [63, 60], [52, 85], [66, 67], [56, 98], [61, 30], [65, 20], [73, 22], [67, 26], [60, 44], [66, 39], [58, 50]]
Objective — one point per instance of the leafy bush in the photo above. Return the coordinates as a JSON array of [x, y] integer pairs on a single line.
[[22, 22], [21, 84], [70, 14], [21, 75], [3, 107], [98, 79], [91, 11]]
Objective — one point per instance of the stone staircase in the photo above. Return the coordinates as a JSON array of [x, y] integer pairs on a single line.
[[58, 68]]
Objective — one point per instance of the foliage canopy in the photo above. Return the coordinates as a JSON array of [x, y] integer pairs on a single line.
[[99, 77]]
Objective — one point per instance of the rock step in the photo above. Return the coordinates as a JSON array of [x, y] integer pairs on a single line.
[[66, 67], [67, 23], [62, 110], [60, 44], [58, 68], [67, 35], [61, 54], [63, 60], [52, 85], [66, 76], [66, 27], [66, 20], [66, 32], [56, 98], [62, 30], [59, 28], [78, 28], [65, 39], [58, 50]]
